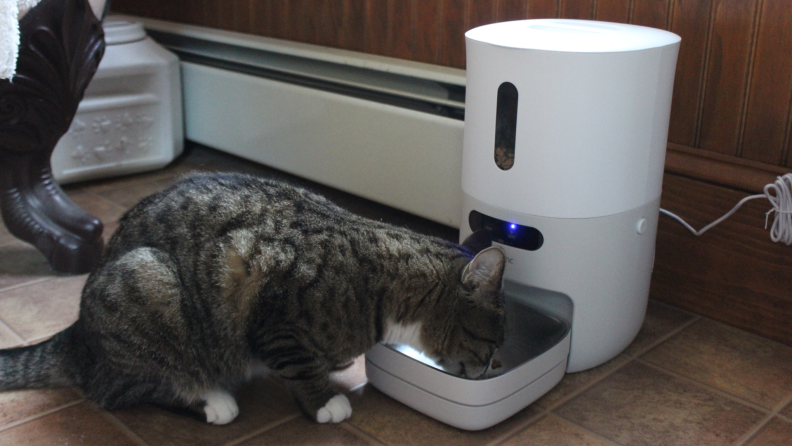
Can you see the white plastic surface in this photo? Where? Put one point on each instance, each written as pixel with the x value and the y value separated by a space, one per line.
pixel 118 31
pixel 470 417
pixel 580 36
pixel 591 131
pixel 603 264
pixel 130 119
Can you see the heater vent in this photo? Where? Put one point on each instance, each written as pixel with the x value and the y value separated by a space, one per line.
pixel 506 125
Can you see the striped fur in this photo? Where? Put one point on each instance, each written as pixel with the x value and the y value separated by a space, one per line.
pixel 221 272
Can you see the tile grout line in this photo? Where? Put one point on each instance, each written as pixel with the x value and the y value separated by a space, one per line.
pixel 761 425
pixel 667 336
pixel 706 386
pixel 372 435
pixel 521 427
pixel 631 357
pixel 579 391
pixel 263 429
pixel 8 327
pixel 783 403
pixel 41 415
pixel 124 428
pixel 32 282
pixel 354 430
pixel 755 429
pixel 589 431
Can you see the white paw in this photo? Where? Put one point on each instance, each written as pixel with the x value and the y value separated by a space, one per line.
pixel 336 410
pixel 220 408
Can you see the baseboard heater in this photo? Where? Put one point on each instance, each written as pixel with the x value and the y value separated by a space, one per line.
pixel 384 129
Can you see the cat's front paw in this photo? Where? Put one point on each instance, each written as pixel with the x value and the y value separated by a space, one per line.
pixel 336 410
pixel 220 408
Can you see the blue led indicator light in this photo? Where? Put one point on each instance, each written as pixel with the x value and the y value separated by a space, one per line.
pixel 513 226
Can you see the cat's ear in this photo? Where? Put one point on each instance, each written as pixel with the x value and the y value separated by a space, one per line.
pixel 478 241
pixel 486 269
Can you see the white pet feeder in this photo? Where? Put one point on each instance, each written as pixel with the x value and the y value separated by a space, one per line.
pixel 566 123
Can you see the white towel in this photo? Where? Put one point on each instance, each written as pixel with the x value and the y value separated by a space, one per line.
pixel 10 13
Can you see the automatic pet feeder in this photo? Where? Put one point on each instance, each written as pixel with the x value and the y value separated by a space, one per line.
pixel 566 124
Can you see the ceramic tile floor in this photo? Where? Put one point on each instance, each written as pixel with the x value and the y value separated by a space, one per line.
pixel 685 380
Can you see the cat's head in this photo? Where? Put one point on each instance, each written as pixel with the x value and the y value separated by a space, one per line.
pixel 477 325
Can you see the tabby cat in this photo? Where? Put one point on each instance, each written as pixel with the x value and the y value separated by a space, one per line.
pixel 222 275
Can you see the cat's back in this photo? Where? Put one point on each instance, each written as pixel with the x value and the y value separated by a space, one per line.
pixel 203 207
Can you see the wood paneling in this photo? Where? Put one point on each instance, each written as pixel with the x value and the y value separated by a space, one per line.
pixel 734 272
pixel 427 31
pixel 691 21
pixel 726 73
pixel 481 12
pixel 542 9
pixel 742 174
pixel 452 52
pixel 400 35
pixel 613 11
pixel 652 13
pixel 512 10
pixel 225 14
pixel 576 9
pixel 377 22
pixel 768 110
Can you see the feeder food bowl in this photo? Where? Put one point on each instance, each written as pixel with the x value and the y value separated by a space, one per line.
pixel 532 360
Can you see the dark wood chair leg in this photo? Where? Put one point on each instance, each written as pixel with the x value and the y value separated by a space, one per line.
pixel 61 45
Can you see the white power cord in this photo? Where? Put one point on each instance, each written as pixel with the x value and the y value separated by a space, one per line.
pixel 781 231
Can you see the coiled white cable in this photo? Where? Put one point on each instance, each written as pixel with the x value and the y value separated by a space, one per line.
pixel 781 199
pixel 782 206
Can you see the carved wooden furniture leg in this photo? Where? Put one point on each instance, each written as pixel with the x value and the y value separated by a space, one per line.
pixel 61 45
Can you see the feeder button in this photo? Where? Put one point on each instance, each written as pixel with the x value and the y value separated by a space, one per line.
pixel 641 226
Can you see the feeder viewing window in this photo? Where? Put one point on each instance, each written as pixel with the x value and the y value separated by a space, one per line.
pixel 505 125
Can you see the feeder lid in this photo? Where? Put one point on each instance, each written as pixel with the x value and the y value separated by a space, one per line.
pixel 118 31
pixel 565 35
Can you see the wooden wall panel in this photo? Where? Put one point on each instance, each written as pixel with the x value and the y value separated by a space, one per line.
pixel 261 13
pixel 512 10
pixel 225 14
pixel 453 35
pixel 481 12
pixel 427 31
pixel 652 13
pixel 770 94
pixel 377 22
pixel 542 9
pixel 242 16
pixel 576 9
pixel 280 18
pixel 613 11
pixel 788 145
pixel 400 34
pixel 726 72
pixel 734 272
pixel 691 21
pixel 353 24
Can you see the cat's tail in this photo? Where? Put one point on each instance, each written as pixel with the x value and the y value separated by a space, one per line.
pixel 48 364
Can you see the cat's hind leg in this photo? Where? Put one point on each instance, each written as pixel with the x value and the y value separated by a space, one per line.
pixel 148 356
